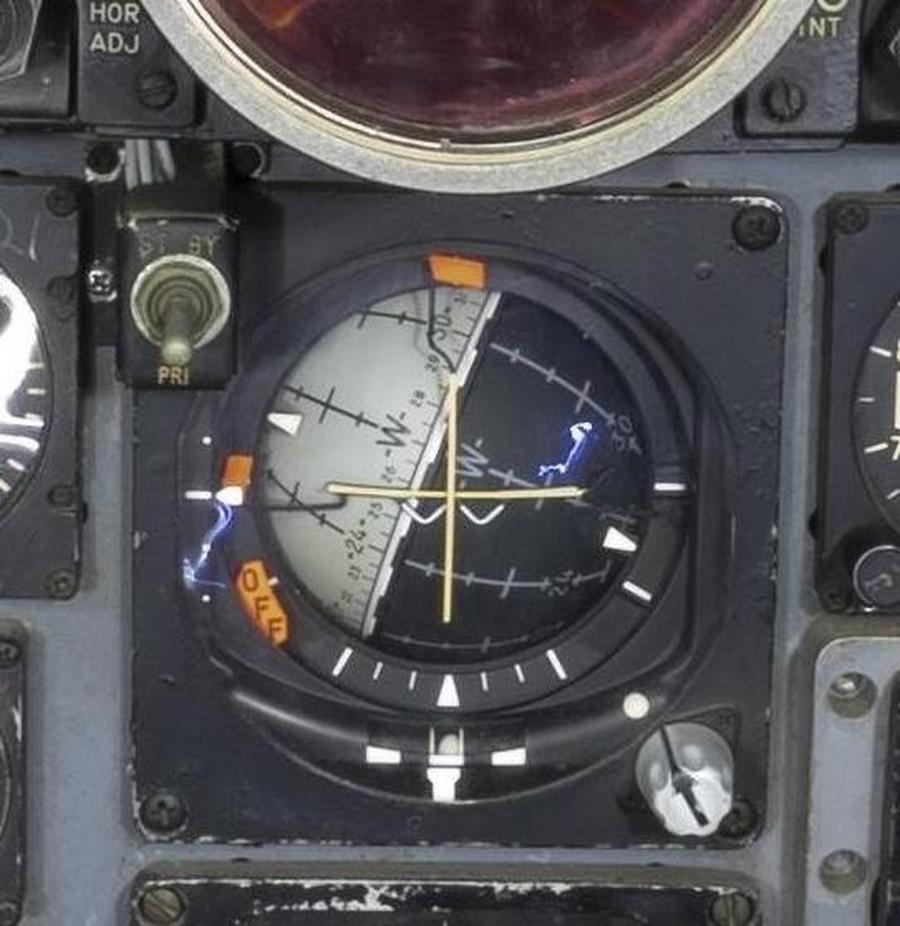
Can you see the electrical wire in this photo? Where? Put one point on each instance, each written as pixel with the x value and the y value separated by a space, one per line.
pixel 148 161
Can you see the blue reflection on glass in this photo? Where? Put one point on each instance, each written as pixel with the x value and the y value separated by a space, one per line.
pixel 191 571
pixel 579 434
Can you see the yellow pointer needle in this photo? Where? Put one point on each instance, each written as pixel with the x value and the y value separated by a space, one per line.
pixel 461 495
pixel 450 497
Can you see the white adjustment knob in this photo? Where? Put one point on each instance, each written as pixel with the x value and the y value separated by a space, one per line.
pixel 686 773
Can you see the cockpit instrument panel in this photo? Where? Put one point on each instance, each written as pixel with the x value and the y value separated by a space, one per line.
pixel 410 479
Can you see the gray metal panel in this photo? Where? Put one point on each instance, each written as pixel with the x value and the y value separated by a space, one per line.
pixel 83 852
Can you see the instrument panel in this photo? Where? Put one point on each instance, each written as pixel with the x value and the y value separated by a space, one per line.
pixel 444 479
pixel 441 534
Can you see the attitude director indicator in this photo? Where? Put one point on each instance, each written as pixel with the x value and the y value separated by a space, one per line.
pixel 447 495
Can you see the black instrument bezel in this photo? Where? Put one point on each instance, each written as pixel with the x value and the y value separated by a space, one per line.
pixel 273 351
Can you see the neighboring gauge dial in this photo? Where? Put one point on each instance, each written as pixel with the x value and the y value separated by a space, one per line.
pixel 24 392
pixel 877 418
pixel 478 95
pixel 494 70
pixel 547 496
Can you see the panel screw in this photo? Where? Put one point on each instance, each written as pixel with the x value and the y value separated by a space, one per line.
pixel 732 910
pixel 852 695
pixel 843 871
pixel 757 228
pixel 835 598
pixel 248 159
pixel 62 201
pixel 61 584
pixel 847 686
pixel 104 158
pixel 9 914
pixel 783 100
pixel 63 496
pixel 740 821
pixel 851 218
pixel 163 813
pixel 162 906
pixel 10 653
pixel 156 89
pixel 63 289
pixel 101 283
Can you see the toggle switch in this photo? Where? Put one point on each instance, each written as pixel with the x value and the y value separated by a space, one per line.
pixel 180 303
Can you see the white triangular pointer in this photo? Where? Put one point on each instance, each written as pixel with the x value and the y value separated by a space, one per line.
pixel 449 696
pixel 616 540
pixel 284 421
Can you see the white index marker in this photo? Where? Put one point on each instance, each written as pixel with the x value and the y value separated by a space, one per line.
pixel 287 422
pixel 449 694
pixel 619 541
pixel 897 401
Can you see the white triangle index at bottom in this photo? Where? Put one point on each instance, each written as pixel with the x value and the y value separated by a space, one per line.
pixel 449 695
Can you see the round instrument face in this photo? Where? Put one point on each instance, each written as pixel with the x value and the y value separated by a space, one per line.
pixel 544 502
pixel 443 483
pixel 488 70
pixel 25 400
pixel 478 96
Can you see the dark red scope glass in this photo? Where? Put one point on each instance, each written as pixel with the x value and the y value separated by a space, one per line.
pixel 478 70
